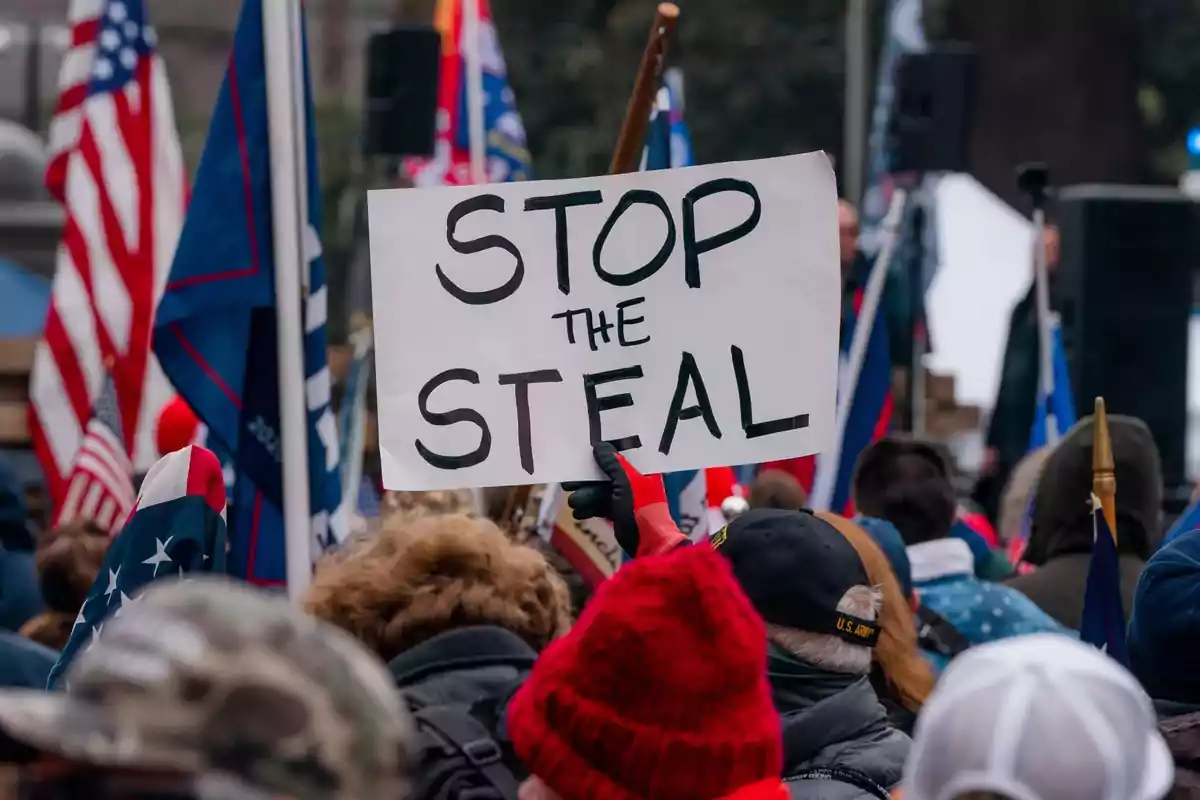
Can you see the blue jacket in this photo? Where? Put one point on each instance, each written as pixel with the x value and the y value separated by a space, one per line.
pixel 24 664
pixel 944 578
pixel 20 594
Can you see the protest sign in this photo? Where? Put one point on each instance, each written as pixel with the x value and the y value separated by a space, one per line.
pixel 689 316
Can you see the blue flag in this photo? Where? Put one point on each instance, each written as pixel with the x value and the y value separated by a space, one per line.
pixel 177 527
pixel 668 141
pixel 1103 621
pixel 215 333
pixel 1057 408
pixel 871 404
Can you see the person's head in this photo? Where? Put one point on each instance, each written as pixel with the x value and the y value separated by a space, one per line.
pixel 847 233
pixel 1051 243
pixel 413 581
pixel 1164 629
pixel 67 560
pixel 177 426
pixel 397 508
pixel 1062 516
pixel 905 669
pixel 774 488
pixel 1018 494
pixel 906 482
pixel 1040 717
pixel 206 683
pixel 808 584
pixel 660 690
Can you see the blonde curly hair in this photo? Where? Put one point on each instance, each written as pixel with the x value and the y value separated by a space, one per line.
pixel 419 577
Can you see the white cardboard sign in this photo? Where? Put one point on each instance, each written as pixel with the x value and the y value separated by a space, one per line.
pixel 689 315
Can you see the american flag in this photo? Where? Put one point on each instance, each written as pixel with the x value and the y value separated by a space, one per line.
pixel 177 528
pixel 100 486
pixel 118 171
pixel 1102 623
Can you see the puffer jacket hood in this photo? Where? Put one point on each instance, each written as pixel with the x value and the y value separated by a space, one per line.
pixel 1062 515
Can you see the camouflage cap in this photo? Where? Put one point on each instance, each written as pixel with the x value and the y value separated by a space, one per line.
pixel 212 677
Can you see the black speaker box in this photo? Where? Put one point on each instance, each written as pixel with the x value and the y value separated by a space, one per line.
pixel 1124 289
pixel 402 92
pixel 931 111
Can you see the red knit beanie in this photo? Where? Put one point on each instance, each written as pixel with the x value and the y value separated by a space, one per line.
pixel 659 691
pixel 176 427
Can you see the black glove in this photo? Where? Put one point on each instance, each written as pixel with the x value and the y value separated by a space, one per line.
pixel 636 504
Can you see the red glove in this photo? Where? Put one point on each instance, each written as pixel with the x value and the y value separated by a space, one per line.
pixel 636 504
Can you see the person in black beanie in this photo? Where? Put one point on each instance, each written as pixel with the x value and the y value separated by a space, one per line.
pixel 1060 538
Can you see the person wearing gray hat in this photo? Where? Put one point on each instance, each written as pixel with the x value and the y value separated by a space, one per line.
pixel 211 690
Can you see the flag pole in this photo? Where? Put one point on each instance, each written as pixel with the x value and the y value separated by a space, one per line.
pixel 628 151
pixel 475 104
pixel 1104 471
pixel 285 103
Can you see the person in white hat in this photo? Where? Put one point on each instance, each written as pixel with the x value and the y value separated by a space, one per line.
pixel 1040 717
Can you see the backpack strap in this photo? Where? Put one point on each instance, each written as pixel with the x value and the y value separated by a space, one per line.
pixel 470 738
pixel 847 775
pixel 937 634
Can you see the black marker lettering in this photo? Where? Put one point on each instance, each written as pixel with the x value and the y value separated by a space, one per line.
pixel 476 456
pixel 622 321
pixel 597 404
pixel 692 249
pixel 602 326
pixel 688 373
pixel 655 264
pixel 569 316
pixel 521 381
pixel 756 429
pixel 560 203
pixel 484 202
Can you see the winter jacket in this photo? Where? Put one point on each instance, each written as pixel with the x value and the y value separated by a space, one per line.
pixel 477 668
pixel 945 582
pixel 1058 585
pixel 24 664
pixel 463 666
pixel 20 594
pixel 1180 726
pixel 849 730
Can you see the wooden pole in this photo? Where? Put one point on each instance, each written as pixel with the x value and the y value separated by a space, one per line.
pixel 628 152
pixel 1104 474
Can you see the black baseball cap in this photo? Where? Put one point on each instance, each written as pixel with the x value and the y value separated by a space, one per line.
pixel 795 568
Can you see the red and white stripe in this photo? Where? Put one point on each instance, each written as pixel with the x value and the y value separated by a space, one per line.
pixel 100 487
pixel 118 169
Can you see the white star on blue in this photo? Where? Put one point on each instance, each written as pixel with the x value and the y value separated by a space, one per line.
pixel 123 40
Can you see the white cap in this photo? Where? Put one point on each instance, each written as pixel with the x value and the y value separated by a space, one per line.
pixel 1041 717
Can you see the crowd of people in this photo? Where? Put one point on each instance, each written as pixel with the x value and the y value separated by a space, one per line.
pixel 799 654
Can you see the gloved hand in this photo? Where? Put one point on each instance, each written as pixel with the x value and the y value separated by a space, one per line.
pixel 636 504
